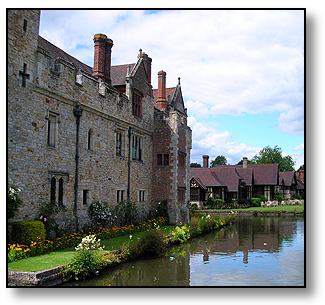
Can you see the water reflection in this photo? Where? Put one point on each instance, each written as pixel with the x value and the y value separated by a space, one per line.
pixel 252 251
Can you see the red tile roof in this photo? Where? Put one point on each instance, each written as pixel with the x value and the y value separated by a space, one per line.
pixel 287 178
pixel 205 176
pixel 265 174
pixel 118 74
pixel 230 175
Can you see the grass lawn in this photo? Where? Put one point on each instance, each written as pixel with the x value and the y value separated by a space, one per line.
pixel 63 257
pixel 284 208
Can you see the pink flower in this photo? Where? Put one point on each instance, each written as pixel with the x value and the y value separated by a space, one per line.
pixel 44 219
pixel 41 217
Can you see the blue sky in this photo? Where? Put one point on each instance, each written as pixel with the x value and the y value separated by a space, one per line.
pixel 242 71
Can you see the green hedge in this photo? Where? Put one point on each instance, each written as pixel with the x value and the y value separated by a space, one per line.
pixel 25 232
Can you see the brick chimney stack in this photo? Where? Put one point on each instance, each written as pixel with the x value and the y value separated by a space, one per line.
pixel 205 161
pixel 161 102
pixel 102 58
pixel 245 162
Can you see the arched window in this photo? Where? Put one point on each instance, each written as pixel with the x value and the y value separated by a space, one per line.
pixel 60 191
pixel 53 190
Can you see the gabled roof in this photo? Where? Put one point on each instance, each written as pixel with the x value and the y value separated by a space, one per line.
pixel 198 181
pixel 287 178
pixel 205 177
pixel 217 176
pixel 177 100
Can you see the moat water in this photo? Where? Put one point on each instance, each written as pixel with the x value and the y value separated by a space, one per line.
pixel 253 251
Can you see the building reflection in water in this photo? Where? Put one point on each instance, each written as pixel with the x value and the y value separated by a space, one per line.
pixel 247 236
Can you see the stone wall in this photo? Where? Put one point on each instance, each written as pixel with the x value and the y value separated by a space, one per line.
pixel 55 88
pixel 43 93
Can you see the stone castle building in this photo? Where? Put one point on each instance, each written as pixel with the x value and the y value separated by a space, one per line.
pixel 78 134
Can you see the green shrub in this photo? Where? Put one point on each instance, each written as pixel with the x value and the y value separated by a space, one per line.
pixel 87 260
pixel 99 213
pixel 25 232
pixel 84 264
pixel 278 197
pixel 215 203
pixel 162 209
pixel 152 242
pixel 256 202
pixel 262 198
pixel 125 213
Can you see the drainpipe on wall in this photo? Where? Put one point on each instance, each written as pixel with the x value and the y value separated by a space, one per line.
pixel 129 165
pixel 78 113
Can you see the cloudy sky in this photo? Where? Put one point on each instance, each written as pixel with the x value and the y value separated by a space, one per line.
pixel 242 71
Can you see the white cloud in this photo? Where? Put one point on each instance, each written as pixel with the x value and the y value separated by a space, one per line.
pixel 208 140
pixel 292 122
pixel 301 146
pixel 230 62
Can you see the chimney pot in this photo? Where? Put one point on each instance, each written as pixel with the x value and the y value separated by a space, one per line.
pixel 205 161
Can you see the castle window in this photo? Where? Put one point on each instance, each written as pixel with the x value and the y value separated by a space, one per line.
pixel 52 126
pixel 136 104
pixel 166 159
pixel 159 159
pixel 53 190
pixel 90 139
pixel 60 199
pixel 162 159
pixel 118 143
pixel 142 196
pixel 120 196
pixel 85 195
pixel 136 148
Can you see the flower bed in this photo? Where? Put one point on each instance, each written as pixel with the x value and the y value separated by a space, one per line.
pixel 16 251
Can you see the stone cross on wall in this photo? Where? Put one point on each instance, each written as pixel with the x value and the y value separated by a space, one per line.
pixel 24 75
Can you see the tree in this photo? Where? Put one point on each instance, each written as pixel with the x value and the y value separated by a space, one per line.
pixel 220 160
pixel 269 155
pixel 195 165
